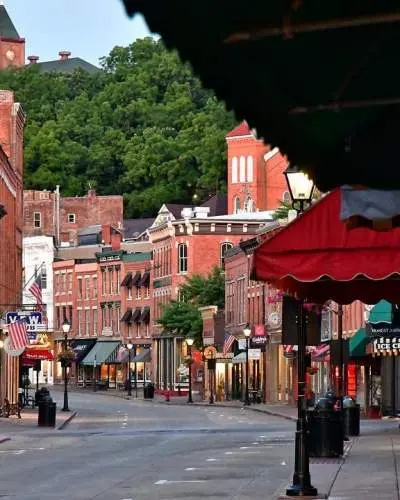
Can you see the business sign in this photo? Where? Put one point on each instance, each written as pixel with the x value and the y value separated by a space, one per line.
pixel 389 345
pixel 254 354
pixel 382 329
pixel 259 337
pixel 33 319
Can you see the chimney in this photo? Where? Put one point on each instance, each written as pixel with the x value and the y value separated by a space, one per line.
pixel 106 234
pixel 33 59
pixel 64 55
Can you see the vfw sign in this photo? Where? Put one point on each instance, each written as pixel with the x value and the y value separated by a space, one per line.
pixel 34 320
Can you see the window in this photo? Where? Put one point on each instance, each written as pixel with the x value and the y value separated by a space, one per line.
pixel 242 169
pixel 182 258
pixel 286 197
pixel 118 314
pixel 138 330
pixel 94 322
pixel 87 288
pixel 70 315
pixel 43 278
pixel 104 280
pixel 118 282
pixel 37 219
pixel 147 330
pixel 249 169
pixel 234 170
pixel 80 322
pixel 95 287
pixel 87 321
pixel 224 248
pixel 110 278
pixel 64 282
pixel 249 205
pixel 71 218
pixel 138 293
pixel 236 205
pixel 147 292
pixel 70 282
pixel 129 293
pixel 58 283
pixel 80 288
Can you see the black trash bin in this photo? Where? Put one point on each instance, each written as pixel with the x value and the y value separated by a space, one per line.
pixel 150 391
pixel 145 392
pixel 325 430
pixel 351 417
pixel 40 394
pixel 47 413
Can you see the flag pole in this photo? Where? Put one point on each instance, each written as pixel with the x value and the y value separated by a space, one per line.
pixel 34 276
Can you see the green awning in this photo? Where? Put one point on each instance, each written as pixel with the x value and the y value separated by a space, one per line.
pixel 102 352
pixel 381 312
pixel 358 343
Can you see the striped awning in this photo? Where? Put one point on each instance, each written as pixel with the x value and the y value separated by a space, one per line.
pixel 105 351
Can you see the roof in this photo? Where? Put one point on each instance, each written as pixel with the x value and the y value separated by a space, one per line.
pixel 218 205
pixel 240 130
pixel 320 80
pixel 176 209
pixel 133 228
pixel 247 216
pixel 7 28
pixel 78 253
pixel 333 262
pixel 94 229
pixel 67 66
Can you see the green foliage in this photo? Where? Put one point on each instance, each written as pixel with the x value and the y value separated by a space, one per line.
pixel 184 318
pixel 282 211
pixel 144 128
pixel 205 290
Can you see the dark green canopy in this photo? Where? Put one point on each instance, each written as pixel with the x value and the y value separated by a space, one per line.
pixel 319 79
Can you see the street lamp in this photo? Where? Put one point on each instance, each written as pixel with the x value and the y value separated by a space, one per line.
pixel 66 327
pixel 129 346
pixel 247 333
pixel 189 342
pixel 301 189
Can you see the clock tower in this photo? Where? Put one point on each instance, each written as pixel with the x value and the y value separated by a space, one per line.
pixel 12 46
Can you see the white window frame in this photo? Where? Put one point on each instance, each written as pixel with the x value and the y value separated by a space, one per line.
pixel 234 170
pixel 37 218
pixel 227 245
pixel 43 277
pixel 182 258
pixel 250 168
pixel 236 205
pixel 242 169
pixel 71 218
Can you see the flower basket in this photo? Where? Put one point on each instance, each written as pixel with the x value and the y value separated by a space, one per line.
pixel 312 370
pixel 66 357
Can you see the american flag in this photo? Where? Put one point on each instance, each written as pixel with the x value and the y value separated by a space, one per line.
pixel 18 335
pixel 228 341
pixel 36 291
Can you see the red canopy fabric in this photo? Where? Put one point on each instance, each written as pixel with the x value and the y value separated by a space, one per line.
pixel 32 354
pixel 318 258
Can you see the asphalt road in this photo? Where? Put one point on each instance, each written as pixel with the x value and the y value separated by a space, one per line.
pixel 116 449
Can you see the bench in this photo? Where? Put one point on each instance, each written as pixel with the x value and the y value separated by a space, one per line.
pixel 8 409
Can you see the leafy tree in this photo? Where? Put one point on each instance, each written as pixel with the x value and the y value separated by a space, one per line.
pixel 143 127
pixel 183 319
pixel 282 211
pixel 205 290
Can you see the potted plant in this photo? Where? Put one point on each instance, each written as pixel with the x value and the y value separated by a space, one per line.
pixel 66 357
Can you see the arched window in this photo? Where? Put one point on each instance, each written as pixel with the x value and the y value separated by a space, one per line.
pixel 224 248
pixel 249 169
pixel 249 207
pixel 242 169
pixel 236 204
pixel 286 197
pixel 182 258
pixel 234 170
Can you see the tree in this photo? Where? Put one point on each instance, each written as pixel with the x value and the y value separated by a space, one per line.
pixel 184 318
pixel 144 127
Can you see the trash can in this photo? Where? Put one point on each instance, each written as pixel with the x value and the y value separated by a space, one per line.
pixel 41 394
pixel 47 413
pixel 145 392
pixel 351 417
pixel 325 430
pixel 150 391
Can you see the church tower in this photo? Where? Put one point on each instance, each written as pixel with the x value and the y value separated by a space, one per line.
pixel 12 46
pixel 255 173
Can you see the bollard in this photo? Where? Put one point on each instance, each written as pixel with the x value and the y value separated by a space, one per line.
pixel 166 394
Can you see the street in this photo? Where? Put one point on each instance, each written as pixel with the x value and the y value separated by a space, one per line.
pixel 119 449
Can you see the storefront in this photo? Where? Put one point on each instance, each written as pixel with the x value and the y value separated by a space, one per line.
pixel 99 363
pixel 79 373
pixel 169 367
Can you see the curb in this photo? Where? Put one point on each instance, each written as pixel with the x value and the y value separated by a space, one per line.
pixel 61 426
pixel 272 413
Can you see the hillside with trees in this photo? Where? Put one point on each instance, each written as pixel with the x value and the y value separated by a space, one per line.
pixel 143 127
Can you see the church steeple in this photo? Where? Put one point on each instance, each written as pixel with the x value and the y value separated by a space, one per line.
pixel 12 46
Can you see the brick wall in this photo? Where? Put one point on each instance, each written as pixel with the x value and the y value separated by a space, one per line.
pixel 15 49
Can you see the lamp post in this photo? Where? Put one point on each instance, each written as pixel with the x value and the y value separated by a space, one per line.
pixel 189 342
pixel 301 190
pixel 65 328
pixel 129 346
pixel 247 333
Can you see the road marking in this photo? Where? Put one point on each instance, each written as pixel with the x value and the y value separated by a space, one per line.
pixel 255 442
pixel 244 447
pixel 262 436
pixel 240 453
pixel 212 460
pixel 283 463
pixel 165 481
pixel 190 468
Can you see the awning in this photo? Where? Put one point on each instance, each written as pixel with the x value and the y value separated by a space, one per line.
pixel 239 358
pixel 102 352
pixel 136 279
pixel 381 312
pixel 145 317
pixel 127 281
pixel 127 315
pixel 333 261
pixel 81 348
pixel 34 354
pixel 143 357
pixel 358 343
pixel 136 315
pixel 145 279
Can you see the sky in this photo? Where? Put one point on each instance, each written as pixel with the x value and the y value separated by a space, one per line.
pixel 87 28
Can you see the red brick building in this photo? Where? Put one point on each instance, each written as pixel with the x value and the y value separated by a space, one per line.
pixel 12 46
pixel 48 213
pixel 255 180
pixel 12 121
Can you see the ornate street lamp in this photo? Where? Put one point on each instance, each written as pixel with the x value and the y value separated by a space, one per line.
pixel 247 333
pixel 189 342
pixel 66 327
pixel 301 189
pixel 129 346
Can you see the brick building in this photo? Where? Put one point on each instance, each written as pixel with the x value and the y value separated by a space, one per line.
pixel 255 172
pixel 48 213
pixel 12 121
pixel 12 46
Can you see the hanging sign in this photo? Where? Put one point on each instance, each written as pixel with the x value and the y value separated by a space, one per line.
pixel 259 337
pixel 254 354
pixel 386 345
